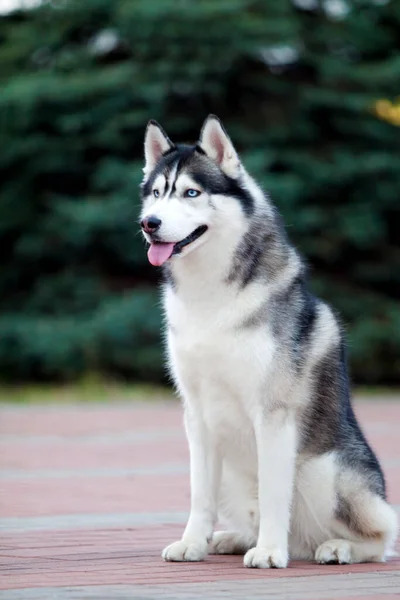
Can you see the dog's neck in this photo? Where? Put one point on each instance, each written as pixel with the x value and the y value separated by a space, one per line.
pixel 217 265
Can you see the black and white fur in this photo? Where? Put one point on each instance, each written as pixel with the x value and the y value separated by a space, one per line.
pixel 276 452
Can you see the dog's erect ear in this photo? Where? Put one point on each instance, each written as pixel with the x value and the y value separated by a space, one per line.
pixel 156 143
pixel 217 145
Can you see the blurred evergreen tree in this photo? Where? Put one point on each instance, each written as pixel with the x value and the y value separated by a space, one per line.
pixel 295 83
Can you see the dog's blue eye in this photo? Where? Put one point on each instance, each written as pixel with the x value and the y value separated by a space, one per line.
pixel 192 193
pixel 156 193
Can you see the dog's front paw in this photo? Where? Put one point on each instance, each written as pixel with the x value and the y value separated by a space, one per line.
pixel 192 551
pixel 266 558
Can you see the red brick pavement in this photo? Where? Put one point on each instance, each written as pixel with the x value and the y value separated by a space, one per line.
pixel 61 461
pixel 67 453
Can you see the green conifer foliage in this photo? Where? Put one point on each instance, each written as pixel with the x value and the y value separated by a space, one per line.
pixel 297 85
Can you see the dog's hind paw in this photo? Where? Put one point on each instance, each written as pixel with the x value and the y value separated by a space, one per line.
pixel 227 542
pixel 266 558
pixel 334 552
pixel 182 551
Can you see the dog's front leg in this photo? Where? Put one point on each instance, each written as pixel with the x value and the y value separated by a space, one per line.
pixel 276 449
pixel 205 474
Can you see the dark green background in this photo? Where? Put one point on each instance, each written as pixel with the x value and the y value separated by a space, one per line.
pixel 295 89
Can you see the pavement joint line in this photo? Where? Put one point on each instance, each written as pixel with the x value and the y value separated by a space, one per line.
pixel 163 469
pixel 167 469
pixel 164 401
pixel 92 521
pixel 97 521
pixel 310 587
pixel 142 436
pixel 149 436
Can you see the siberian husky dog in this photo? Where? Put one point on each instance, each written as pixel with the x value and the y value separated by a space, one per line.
pixel 276 453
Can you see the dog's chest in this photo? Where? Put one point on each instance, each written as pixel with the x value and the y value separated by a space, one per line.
pixel 218 365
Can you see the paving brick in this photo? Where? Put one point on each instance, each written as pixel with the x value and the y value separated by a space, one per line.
pixel 68 453
pixel 374 586
pixel 80 419
pixel 37 497
pixel 392 475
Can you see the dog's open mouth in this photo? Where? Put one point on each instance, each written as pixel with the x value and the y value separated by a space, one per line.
pixel 160 252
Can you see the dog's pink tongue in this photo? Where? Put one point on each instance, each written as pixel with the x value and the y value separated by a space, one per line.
pixel 159 253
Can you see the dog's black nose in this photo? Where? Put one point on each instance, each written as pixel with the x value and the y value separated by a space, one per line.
pixel 150 224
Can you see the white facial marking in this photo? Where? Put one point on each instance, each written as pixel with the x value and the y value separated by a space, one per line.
pixel 159 184
pixel 184 183
pixel 171 180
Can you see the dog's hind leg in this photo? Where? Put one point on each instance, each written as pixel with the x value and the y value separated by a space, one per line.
pixel 367 528
pixel 231 542
pixel 238 511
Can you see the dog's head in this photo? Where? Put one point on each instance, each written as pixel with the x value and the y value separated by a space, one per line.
pixel 188 191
